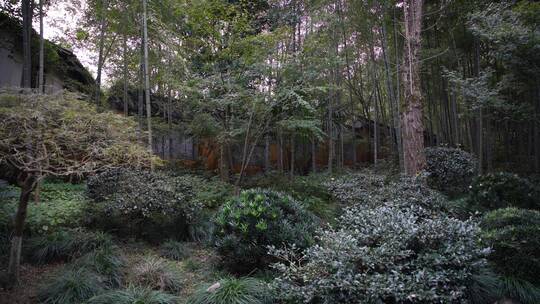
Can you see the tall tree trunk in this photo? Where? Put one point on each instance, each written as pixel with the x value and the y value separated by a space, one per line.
pixel 124 51
pixel 395 118
pixel 413 128
pixel 102 29
pixel 313 155
pixel 16 241
pixel 26 7
pixel 41 78
pixel 537 129
pixel 291 173
pixel 330 136
pixel 397 123
pixel 281 165
pixel 267 153
pixel 147 81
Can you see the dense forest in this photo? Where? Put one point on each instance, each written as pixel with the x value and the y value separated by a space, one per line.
pixel 270 151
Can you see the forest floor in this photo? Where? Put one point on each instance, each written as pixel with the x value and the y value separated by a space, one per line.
pixel 197 268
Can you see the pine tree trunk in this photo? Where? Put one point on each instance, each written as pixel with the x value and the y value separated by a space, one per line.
pixel 413 128
pixel 16 241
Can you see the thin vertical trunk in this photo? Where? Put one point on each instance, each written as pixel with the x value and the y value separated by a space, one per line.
pixel 27 42
pixel 124 51
pixel 267 153
pixel 397 123
pixel 313 155
pixel 41 78
pixel 537 129
pixel 18 228
pixel 393 104
pixel 330 136
pixel 102 29
pixel 291 173
pixel 480 114
pixel 413 128
pixel 281 165
pixel 147 80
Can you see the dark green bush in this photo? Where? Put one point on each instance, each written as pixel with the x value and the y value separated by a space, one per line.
pixel 134 295
pixel 246 225
pixel 149 205
pixel 450 170
pixel 309 190
pixel 64 245
pixel 71 287
pixel 514 235
pixel 174 250
pixel 233 291
pixel 501 190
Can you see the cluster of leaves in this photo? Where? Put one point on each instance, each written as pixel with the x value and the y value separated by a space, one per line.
pixel 501 190
pixel 256 219
pixel 233 291
pixel 450 170
pixel 64 245
pixel 61 206
pixel 372 190
pixel 385 254
pixel 309 190
pixel 514 235
pixel 64 136
pixel 153 201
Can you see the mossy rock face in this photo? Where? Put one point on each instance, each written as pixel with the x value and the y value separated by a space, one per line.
pixel 514 235
pixel 59 61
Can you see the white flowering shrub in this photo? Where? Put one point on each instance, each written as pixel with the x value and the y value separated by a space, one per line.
pixel 373 190
pixel 449 170
pixel 386 254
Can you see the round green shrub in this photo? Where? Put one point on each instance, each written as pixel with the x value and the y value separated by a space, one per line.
pixel 501 190
pixel 149 205
pixel 386 254
pixel 233 291
pixel 514 235
pixel 450 170
pixel 257 218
